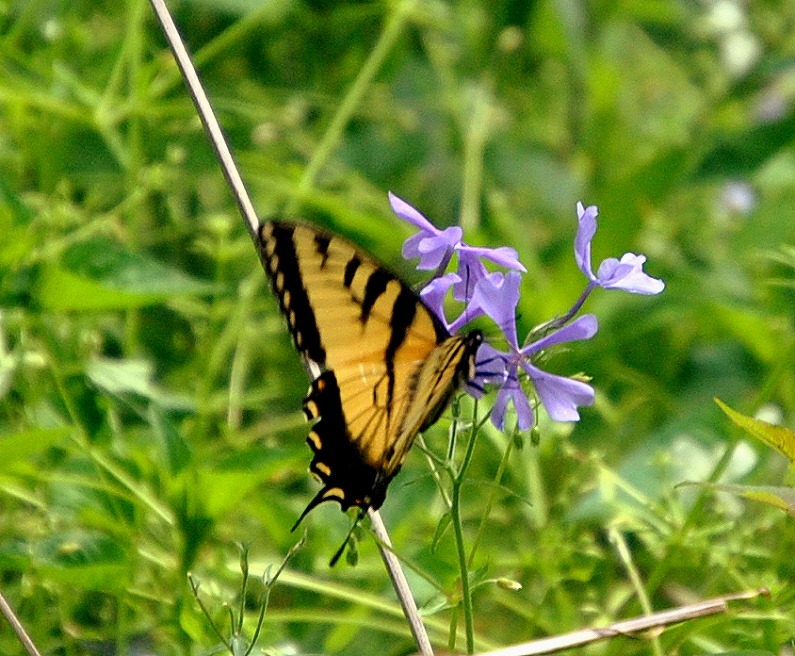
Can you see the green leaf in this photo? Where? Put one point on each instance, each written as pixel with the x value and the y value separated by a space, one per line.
pixel 778 437
pixel 12 206
pixel 85 558
pixel 119 377
pixel 344 633
pixel 744 652
pixel 176 449
pixel 115 266
pixel 441 529
pixel 61 290
pixel 223 491
pixel 29 443
pixel 194 623
pixel 15 554
pixel 778 496
pixel 15 216
pixel 100 274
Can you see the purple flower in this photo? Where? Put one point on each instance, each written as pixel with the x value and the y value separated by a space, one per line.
pixel 497 296
pixel 626 273
pixel 434 293
pixel 435 248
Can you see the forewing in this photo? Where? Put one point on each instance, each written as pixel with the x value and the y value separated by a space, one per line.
pixel 352 317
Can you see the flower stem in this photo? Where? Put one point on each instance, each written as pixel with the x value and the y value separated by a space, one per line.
pixel 491 501
pixel 455 514
pixel 557 322
pixel 475 138
pixel 624 554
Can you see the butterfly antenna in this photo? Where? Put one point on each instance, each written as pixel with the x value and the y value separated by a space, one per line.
pixel 347 539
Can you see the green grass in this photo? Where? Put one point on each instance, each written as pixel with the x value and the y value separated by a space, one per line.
pixel 150 400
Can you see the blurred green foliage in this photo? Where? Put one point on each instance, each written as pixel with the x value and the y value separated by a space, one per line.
pixel 149 396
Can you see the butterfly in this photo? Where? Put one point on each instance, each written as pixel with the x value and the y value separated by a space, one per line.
pixel 384 366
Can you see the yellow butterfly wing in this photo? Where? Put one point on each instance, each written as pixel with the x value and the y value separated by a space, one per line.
pixel 385 366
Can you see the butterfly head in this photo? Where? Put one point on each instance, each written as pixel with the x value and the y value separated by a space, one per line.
pixel 472 343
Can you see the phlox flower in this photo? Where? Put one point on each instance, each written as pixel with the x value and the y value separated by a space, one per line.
pixel 497 296
pixel 626 273
pixel 435 249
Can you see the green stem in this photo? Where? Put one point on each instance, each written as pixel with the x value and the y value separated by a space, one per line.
pixel 539 504
pixel 625 556
pixel 353 97
pixel 455 513
pixel 129 143
pixel 435 471
pixel 679 539
pixel 105 464
pixel 491 501
pixel 474 145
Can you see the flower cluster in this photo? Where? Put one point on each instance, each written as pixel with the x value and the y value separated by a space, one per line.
pixel 496 295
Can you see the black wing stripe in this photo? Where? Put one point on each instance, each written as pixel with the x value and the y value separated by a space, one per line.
pixel 403 312
pixel 337 460
pixel 278 253
pixel 321 244
pixel 375 286
pixel 350 270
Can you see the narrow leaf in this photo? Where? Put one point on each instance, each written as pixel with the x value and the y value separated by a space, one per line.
pixel 103 275
pixel 778 496
pixel 62 290
pixel 28 443
pixel 119 377
pixel 778 437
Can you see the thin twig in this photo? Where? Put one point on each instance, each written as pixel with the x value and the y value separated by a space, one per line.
pixel 232 175
pixel 23 636
pixel 625 627
pixel 400 584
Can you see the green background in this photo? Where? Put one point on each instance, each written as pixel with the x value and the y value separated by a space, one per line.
pixel 150 400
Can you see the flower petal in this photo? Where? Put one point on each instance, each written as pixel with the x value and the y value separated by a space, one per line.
pixel 499 408
pixel 490 365
pixel 586 229
pixel 433 250
pixel 470 269
pixel 434 293
pixel 408 213
pixel 581 328
pixel 411 247
pixel 627 274
pixel 504 256
pixel 490 369
pixel 497 296
pixel 512 392
pixel 560 396
pixel 524 411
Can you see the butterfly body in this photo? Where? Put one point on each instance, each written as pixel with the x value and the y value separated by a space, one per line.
pixel 384 366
